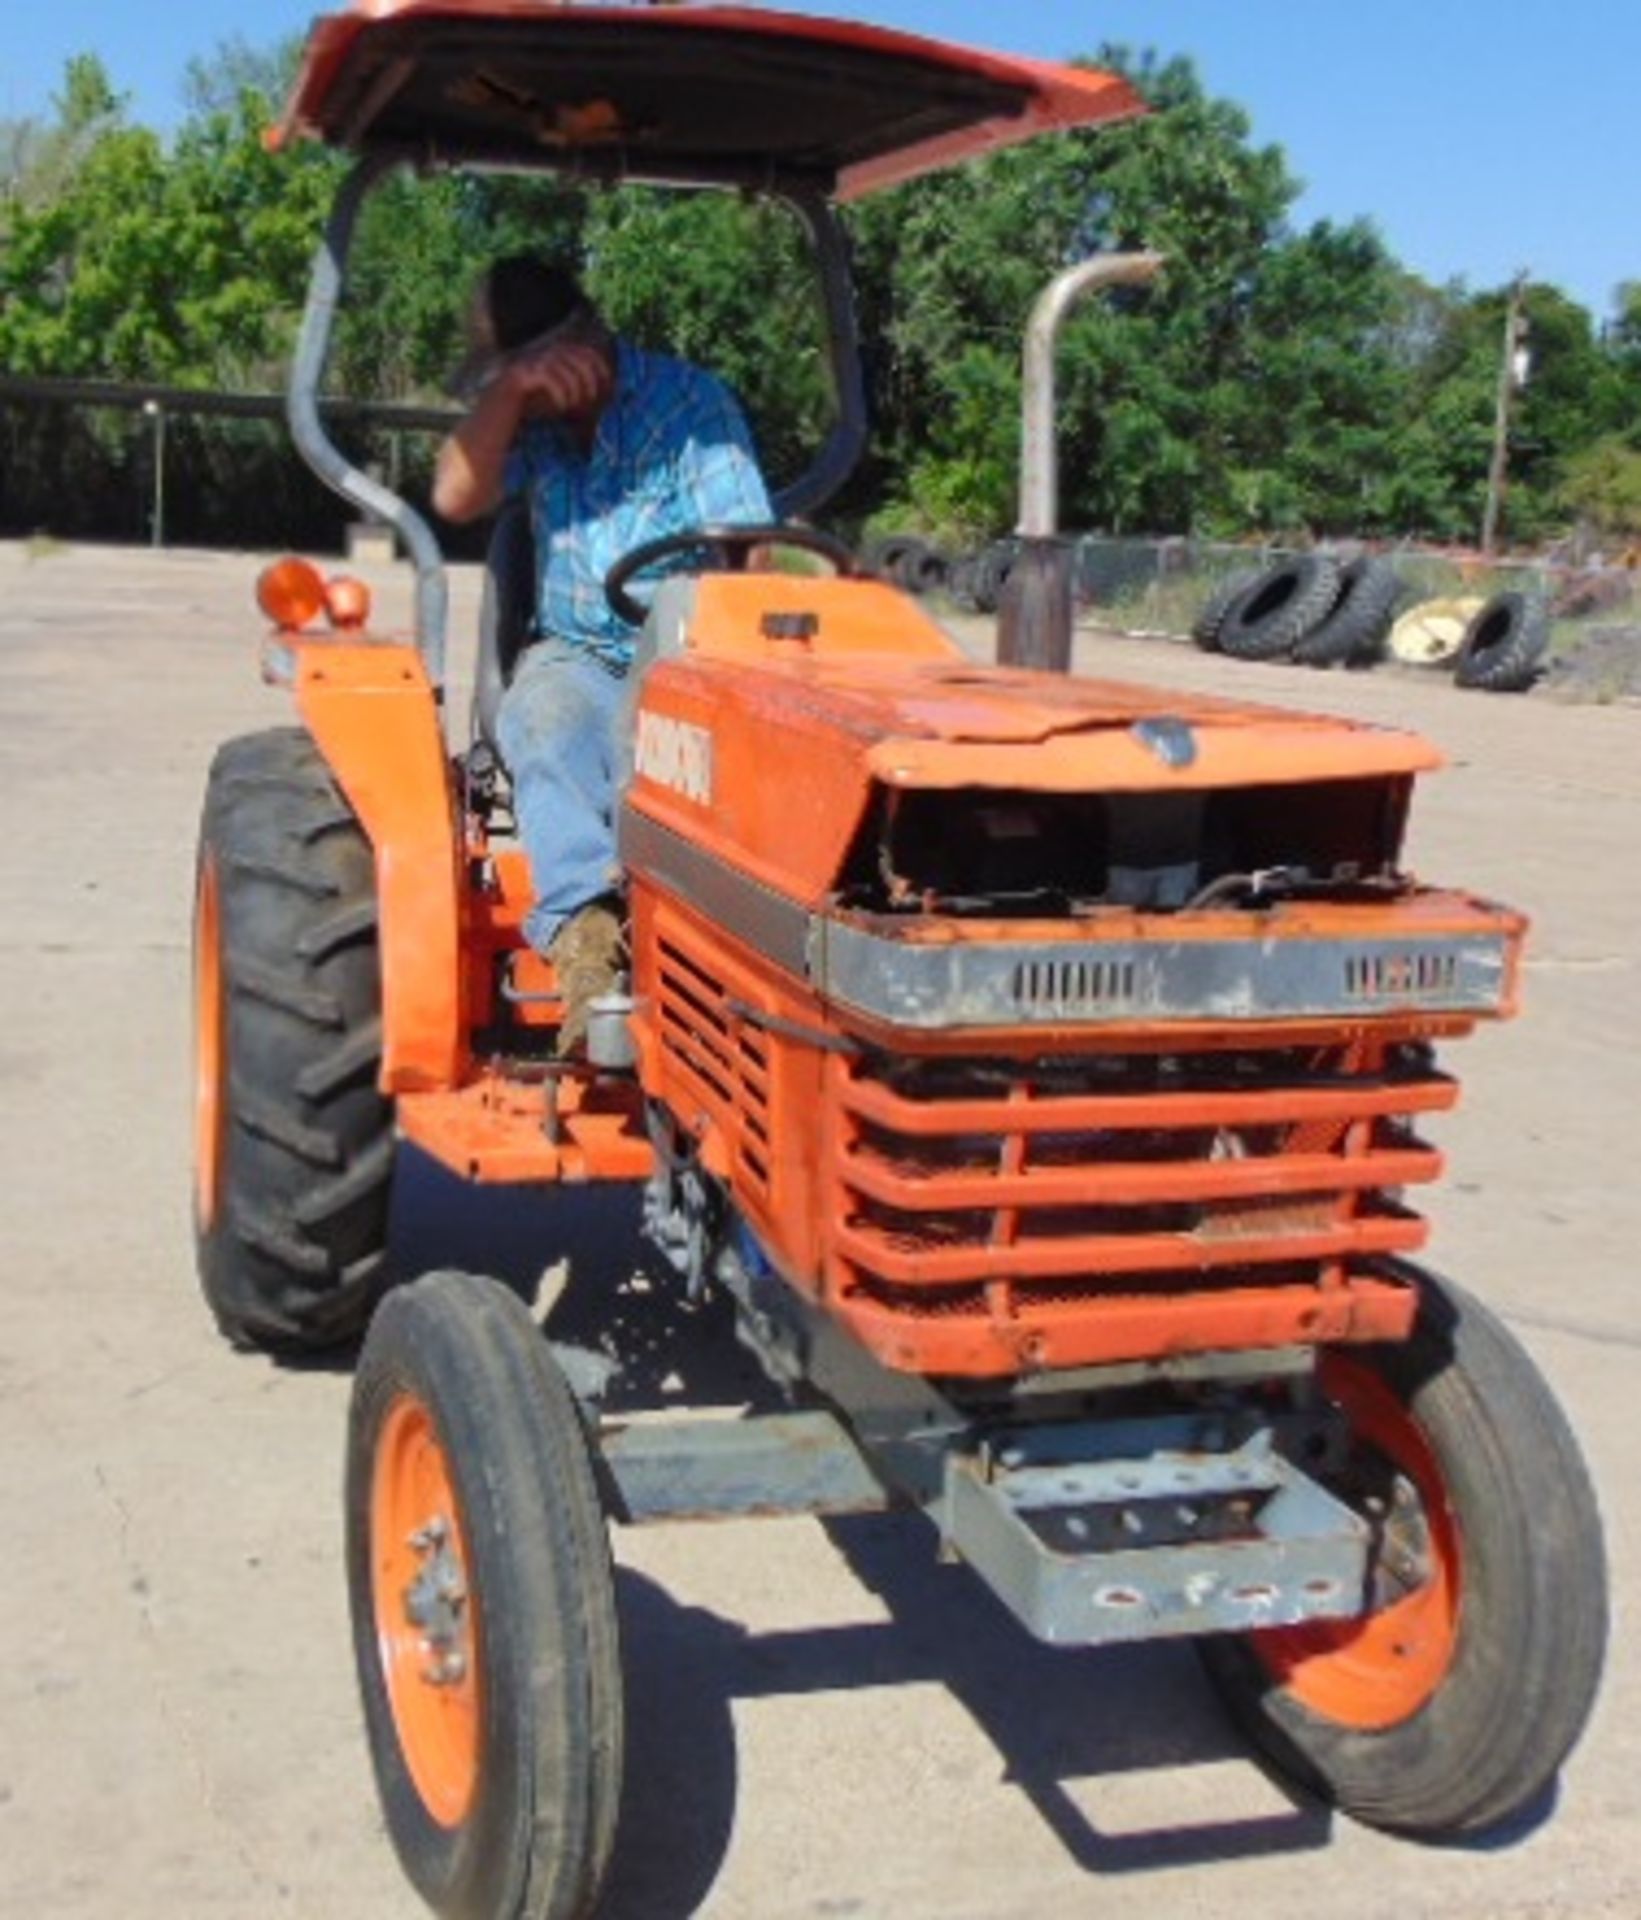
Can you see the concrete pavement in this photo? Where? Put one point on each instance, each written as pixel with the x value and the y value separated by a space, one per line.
pixel 823 1722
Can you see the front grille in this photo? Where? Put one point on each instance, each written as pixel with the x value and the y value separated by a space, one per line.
pixel 1009 1184
pixel 725 1059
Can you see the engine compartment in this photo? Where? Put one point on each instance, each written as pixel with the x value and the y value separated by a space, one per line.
pixel 1003 854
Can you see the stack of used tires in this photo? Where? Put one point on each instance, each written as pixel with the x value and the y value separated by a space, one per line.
pixel 1312 609
pixel 1307 608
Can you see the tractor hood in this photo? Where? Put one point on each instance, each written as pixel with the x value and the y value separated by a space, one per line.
pixel 782 709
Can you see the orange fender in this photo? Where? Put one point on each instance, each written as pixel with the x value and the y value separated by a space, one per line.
pixel 372 713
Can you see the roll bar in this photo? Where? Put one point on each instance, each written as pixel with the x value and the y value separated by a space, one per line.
pixel 834 463
pixel 316 446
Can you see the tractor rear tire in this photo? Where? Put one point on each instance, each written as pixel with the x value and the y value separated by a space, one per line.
pixel 1450 1709
pixel 483 1605
pixel 293 1143
pixel 1285 603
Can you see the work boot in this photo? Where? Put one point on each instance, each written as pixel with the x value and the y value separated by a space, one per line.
pixel 587 953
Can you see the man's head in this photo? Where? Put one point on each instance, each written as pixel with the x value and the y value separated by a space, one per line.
pixel 522 309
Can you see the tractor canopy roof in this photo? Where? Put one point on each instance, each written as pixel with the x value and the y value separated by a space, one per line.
pixel 694 94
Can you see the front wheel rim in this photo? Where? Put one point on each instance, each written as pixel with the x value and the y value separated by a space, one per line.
pixel 1381 1668
pixel 425 1612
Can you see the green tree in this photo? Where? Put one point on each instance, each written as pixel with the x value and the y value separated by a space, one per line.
pixel 1156 412
pixel 1603 487
pixel 184 264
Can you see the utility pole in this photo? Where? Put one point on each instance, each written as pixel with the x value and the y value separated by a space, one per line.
pixel 1512 372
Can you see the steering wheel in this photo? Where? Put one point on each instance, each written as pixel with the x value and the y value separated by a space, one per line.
pixel 727 550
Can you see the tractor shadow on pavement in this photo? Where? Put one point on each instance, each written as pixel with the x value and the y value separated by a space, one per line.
pixel 1055 1717
pixel 576 1257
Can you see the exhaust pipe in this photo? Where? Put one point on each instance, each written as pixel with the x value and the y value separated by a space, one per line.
pixel 1034 623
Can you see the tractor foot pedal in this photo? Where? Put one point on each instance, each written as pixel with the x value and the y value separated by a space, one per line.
pixel 1160 1540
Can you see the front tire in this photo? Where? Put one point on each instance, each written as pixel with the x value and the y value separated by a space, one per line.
pixel 1452 1705
pixel 484 1624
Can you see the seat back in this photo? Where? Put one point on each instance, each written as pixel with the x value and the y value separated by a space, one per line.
pixel 507 614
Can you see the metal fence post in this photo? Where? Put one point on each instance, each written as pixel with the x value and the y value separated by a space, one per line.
pixel 156 413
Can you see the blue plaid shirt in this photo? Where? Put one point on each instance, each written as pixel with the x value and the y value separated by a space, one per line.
pixel 671 452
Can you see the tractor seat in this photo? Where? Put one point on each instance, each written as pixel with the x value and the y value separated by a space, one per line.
pixel 507 615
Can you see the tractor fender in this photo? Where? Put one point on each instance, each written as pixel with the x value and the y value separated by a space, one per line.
pixel 373 715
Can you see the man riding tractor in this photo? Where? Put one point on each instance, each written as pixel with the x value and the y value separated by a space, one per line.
pixel 610 448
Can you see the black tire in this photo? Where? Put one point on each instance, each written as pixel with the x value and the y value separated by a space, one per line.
pixel 912 564
pixel 884 557
pixel 1531 1631
pixel 961 580
pixel 1354 633
pixel 991 575
pixel 1272 615
pixel 1504 646
pixel 1211 616
pixel 537 1618
pixel 924 571
pixel 290 1233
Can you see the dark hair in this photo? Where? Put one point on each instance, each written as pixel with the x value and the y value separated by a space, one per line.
pixel 526 297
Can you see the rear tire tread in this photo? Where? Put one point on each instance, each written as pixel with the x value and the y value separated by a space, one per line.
pixel 283 873
pixel 261 1117
pixel 357 921
pixel 254 980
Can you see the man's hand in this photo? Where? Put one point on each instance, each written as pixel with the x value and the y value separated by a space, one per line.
pixel 565 382
pixel 569 382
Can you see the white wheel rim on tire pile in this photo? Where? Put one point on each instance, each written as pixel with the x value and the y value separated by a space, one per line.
pixel 1430 634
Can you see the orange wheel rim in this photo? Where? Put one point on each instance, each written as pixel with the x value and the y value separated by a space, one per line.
pixel 210 1104
pixel 426 1630
pixel 1380 1669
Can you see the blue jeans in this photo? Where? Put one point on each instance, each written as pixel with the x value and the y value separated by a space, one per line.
pixel 557 730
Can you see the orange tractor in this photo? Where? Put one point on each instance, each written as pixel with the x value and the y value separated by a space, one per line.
pixel 1029 1065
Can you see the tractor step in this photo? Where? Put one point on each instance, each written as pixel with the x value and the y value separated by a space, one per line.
pixel 1094 1533
pixel 771 1463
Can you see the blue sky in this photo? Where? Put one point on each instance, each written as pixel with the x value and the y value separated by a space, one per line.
pixel 1480 138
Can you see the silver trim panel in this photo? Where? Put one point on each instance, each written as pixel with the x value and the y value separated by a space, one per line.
pixel 1063 982
pixel 1012 983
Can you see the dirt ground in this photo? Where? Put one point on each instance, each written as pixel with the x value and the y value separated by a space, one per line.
pixel 823 1723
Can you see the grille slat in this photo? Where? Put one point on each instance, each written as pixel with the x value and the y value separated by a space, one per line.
pixel 1081 1173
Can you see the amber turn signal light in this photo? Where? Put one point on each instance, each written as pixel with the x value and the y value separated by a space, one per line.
pixel 291 593
pixel 347 601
